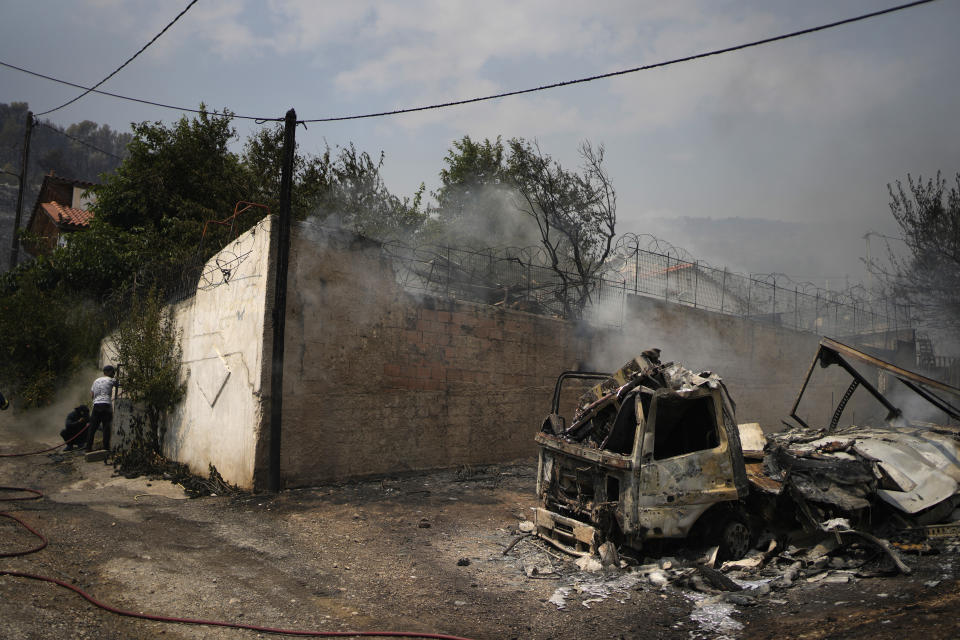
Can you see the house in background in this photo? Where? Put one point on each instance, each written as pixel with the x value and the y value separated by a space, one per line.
pixel 62 207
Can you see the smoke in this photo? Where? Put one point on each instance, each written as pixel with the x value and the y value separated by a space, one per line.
pixel 914 408
pixel 488 218
pixel 47 422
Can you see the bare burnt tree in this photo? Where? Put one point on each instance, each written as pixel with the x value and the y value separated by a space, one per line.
pixel 576 214
pixel 928 277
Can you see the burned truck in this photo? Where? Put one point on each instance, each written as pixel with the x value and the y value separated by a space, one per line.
pixel 652 453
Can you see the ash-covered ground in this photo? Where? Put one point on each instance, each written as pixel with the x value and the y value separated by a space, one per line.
pixel 419 553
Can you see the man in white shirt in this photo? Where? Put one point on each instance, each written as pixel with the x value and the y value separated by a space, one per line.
pixel 102 414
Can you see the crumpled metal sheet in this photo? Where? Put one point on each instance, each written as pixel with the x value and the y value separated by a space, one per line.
pixel 913 469
pixel 918 484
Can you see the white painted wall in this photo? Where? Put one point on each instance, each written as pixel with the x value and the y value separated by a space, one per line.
pixel 219 419
pixel 82 199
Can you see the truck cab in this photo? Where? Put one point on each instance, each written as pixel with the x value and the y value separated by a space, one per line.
pixel 652 452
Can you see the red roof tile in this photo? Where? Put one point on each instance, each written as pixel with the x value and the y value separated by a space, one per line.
pixel 67 215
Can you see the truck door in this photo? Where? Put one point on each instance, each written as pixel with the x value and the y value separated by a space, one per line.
pixel 686 463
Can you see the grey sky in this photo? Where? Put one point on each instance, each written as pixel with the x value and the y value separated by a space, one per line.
pixel 794 141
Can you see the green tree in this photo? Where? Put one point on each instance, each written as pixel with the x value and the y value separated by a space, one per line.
pixel 928 277
pixel 344 187
pixel 49 332
pixel 474 202
pixel 470 167
pixel 149 220
pixel 357 197
pixel 149 354
pixel 182 172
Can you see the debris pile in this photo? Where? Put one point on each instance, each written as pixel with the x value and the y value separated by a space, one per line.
pixel 886 478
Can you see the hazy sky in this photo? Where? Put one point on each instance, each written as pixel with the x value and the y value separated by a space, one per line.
pixel 774 159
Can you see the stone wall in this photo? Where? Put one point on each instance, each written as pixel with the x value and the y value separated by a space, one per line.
pixel 377 380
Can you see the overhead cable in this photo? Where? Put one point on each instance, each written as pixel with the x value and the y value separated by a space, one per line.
pixel 622 72
pixel 128 61
pixel 139 100
pixel 555 85
pixel 76 139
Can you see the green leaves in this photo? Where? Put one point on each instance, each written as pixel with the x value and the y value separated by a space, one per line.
pixel 48 332
pixel 149 356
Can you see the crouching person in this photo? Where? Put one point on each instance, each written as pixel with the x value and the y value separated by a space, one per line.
pixel 102 414
pixel 76 422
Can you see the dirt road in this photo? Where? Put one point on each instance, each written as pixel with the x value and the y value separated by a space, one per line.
pixel 420 553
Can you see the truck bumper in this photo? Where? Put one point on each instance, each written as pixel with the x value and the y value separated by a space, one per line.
pixel 565 533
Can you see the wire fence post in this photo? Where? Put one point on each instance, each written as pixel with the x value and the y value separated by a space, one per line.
pixel 723 289
pixel 773 313
pixel 449 265
pixel 666 280
pixel 796 308
pixel 696 281
pixel 816 313
pixel 636 269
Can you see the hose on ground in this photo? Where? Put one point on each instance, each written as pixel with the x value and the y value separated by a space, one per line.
pixel 35 453
pixel 231 625
pixel 36 495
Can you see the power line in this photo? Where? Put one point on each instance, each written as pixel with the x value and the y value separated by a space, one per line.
pixel 622 72
pixel 138 100
pixel 76 139
pixel 128 61
pixel 555 85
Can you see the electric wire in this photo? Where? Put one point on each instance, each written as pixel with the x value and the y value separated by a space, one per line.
pixel 656 65
pixel 76 139
pixel 545 87
pixel 138 100
pixel 128 61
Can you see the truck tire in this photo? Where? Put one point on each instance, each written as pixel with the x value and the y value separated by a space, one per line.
pixel 734 538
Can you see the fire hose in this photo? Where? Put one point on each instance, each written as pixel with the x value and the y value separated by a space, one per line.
pixel 36 453
pixel 36 495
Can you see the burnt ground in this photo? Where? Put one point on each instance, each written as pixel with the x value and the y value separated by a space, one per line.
pixel 420 553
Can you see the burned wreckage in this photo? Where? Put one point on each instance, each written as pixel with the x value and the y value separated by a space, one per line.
pixel 654 452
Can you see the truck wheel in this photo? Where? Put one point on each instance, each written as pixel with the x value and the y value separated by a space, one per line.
pixel 735 538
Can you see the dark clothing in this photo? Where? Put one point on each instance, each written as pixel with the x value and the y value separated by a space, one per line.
pixel 101 416
pixel 75 423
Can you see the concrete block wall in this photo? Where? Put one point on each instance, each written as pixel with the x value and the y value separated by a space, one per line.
pixel 377 380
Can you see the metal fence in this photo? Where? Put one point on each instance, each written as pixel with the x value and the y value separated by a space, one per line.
pixel 519 278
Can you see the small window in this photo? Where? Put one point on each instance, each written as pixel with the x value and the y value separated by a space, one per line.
pixel 613 489
pixel 684 425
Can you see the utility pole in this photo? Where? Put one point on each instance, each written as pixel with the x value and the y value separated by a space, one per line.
pixel 280 298
pixel 15 241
